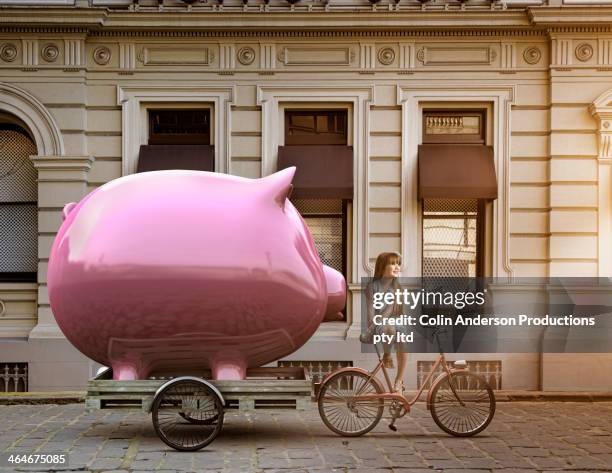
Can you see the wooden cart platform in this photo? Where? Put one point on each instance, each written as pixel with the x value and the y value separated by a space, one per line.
pixel 263 388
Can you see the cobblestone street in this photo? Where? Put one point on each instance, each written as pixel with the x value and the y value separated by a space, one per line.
pixel 523 437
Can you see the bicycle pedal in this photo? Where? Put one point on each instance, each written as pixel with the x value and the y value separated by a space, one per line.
pixel 393 428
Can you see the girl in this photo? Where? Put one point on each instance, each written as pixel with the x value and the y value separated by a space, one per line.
pixel 386 273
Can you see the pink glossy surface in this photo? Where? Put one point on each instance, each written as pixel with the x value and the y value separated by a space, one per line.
pixel 177 271
pixel 336 293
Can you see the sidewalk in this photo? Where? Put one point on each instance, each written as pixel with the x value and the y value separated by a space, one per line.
pixel 524 437
pixel 71 397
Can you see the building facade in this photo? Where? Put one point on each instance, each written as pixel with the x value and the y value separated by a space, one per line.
pixel 91 90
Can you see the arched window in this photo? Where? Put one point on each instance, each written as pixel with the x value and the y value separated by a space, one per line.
pixel 18 206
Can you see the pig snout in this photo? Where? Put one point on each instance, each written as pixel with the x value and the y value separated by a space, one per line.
pixel 336 293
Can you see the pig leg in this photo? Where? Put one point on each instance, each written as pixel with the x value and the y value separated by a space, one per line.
pixel 228 366
pixel 124 370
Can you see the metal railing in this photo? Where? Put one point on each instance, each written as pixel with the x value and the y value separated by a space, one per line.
pixel 491 370
pixel 14 377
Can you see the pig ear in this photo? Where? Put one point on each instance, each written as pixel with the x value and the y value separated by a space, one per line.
pixel 278 185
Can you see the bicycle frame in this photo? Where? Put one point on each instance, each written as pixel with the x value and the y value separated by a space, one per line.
pixel 395 396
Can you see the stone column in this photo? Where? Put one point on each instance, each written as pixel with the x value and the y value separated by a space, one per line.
pixel 61 179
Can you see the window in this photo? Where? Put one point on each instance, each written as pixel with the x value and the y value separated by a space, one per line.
pixel 326 220
pixel 18 206
pixel 183 126
pixel 452 237
pixel 316 127
pixel 454 127
pixel 322 201
pixel 453 229
pixel 178 139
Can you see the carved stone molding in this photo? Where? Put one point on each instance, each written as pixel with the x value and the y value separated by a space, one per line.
pixel 386 56
pixel 456 56
pixel 176 56
pixel 421 55
pixel 532 55
pixel 584 52
pixel 267 58
pixel 101 55
pixel 604 46
pixel 29 48
pixel 227 57
pixel 562 52
pixel 508 57
pixel 50 52
pixel 127 58
pixel 42 125
pixel 8 52
pixel 406 57
pixel 74 53
pixel 601 109
pixel 246 55
pixel 315 56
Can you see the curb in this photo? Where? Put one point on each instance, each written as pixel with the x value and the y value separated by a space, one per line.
pixel 78 397
pixel 59 397
pixel 553 396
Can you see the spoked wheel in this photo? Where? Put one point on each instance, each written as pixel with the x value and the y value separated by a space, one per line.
pixel 187 414
pixel 462 404
pixel 344 406
pixel 199 421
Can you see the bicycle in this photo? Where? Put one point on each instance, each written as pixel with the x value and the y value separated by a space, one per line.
pixel 352 400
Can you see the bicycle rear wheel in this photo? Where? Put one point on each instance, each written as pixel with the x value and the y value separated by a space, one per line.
pixel 462 404
pixel 343 406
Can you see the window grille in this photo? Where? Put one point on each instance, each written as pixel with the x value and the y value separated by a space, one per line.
pixel 18 207
pixel 450 231
pixel 325 220
pixel 13 377
pixel 491 370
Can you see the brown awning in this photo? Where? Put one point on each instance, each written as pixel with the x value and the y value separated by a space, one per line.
pixel 457 171
pixel 158 157
pixel 323 171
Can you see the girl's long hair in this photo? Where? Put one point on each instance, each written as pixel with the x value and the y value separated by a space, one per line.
pixel 383 260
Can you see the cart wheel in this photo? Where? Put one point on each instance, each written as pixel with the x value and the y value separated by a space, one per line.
pixel 187 414
pixel 210 421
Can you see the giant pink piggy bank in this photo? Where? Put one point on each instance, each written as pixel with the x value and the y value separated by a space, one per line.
pixel 171 272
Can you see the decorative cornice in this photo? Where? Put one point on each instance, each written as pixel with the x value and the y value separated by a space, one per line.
pixel 48 17
pixel 207 18
pixel 315 21
pixel 43 29
pixel 63 163
pixel 573 16
pixel 393 33
pixel 404 34
pixel 579 29
pixel 601 109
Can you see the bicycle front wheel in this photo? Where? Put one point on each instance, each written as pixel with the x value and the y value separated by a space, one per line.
pixel 344 405
pixel 462 404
